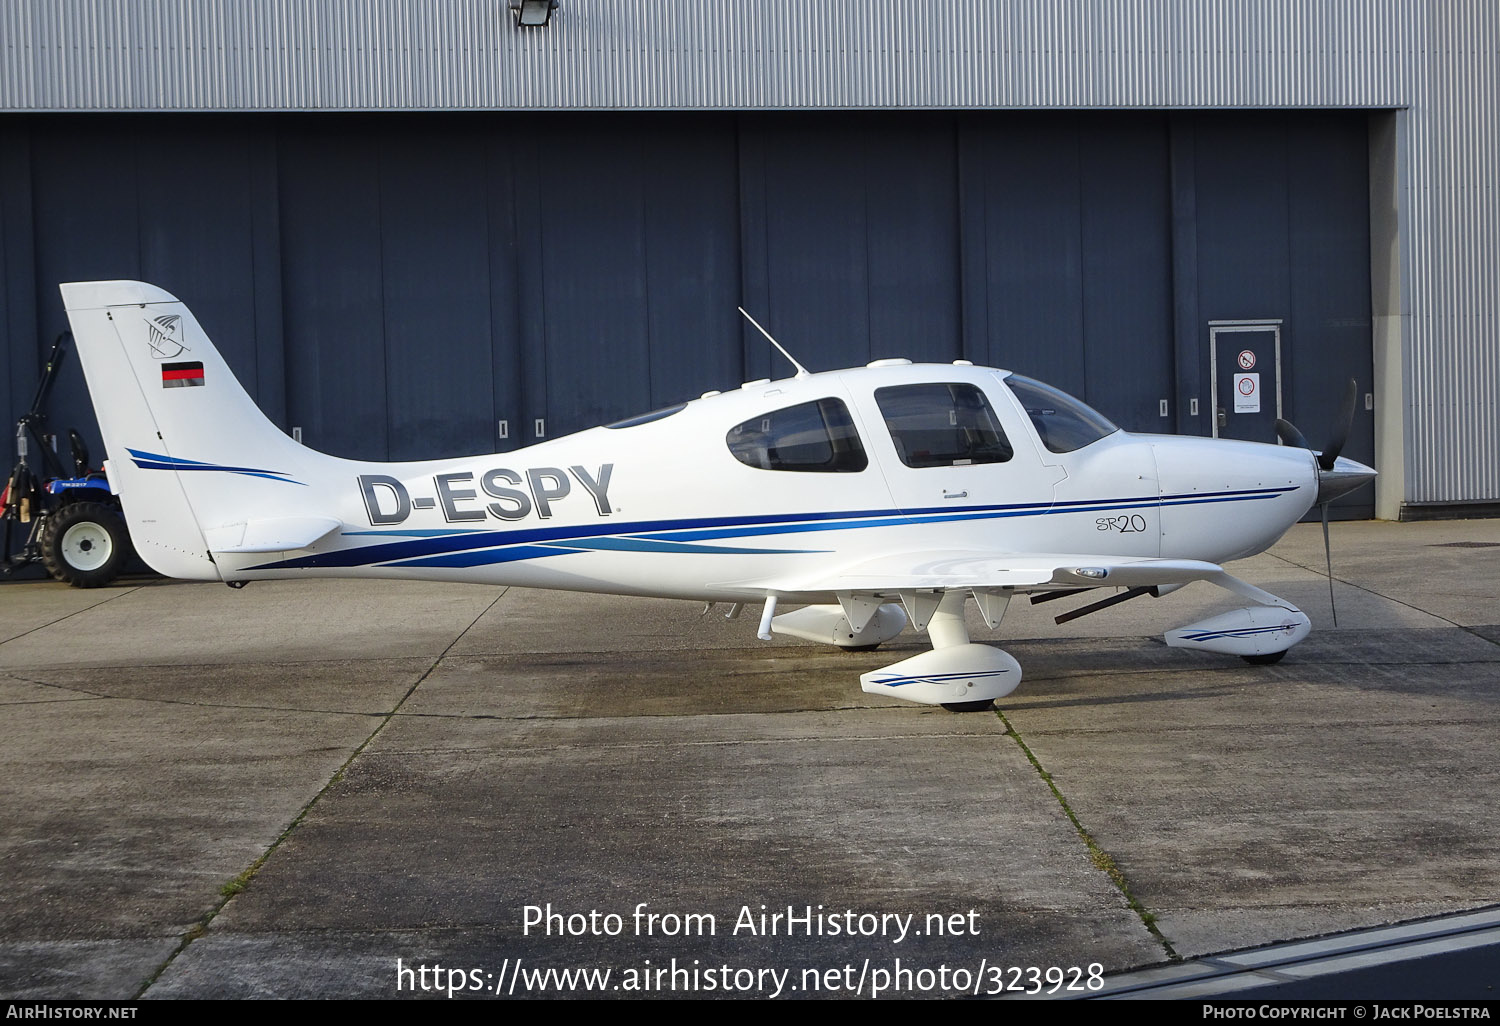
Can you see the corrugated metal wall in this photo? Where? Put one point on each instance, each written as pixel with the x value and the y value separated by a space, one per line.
pixel 1453 295
pixel 1438 58
pixel 671 54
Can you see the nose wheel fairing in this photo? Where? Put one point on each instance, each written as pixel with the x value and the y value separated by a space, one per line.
pixel 1250 632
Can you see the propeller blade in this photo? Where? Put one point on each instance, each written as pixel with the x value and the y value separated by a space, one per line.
pixel 1328 562
pixel 1289 435
pixel 1340 428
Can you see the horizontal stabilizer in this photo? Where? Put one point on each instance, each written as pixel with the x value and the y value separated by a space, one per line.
pixel 277 534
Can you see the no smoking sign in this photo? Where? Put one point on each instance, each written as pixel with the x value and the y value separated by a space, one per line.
pixel 1247 393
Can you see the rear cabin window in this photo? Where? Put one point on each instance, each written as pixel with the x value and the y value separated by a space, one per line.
pixel 817 437
pixel 942 425
pixel 647 418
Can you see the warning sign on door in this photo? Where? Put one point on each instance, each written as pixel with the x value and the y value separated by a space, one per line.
pixel 1247 393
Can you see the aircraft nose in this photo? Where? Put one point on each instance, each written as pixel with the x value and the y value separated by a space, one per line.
pixel 1345 476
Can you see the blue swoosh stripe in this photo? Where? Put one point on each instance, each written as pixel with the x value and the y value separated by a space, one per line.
pixel 654 545
pixel 460 550
pixel 507 554
pixel 1242 632
pixel 370 554
pixel 941 515
pixel 480 558
pixel 156 461
pixel 937 678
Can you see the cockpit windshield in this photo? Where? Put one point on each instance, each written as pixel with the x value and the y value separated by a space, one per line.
pixel 1062 422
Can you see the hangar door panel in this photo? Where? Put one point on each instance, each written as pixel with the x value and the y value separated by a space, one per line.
pixel 1068 260
pixel 639 281
pixel 389 297
pixel 1127 260
pixel 332 293
pixel 850 239
pixel 436 283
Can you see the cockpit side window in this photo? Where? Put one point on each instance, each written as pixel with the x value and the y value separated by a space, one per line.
pixel 942 425
pixel 816 437
pixel 1062 422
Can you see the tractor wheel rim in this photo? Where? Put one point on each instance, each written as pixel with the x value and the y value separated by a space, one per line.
pixel 86 546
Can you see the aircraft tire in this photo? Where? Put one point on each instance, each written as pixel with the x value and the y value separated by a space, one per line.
pixel 1265 658
pixel 984 705
pixel 85 544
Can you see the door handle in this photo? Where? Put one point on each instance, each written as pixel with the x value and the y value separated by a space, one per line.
pixel 1223 418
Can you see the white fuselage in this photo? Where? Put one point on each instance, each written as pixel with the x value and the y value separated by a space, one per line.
pixel 666 508
pixel 876 498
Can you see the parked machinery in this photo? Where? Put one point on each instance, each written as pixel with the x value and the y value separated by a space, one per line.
pixel 65 517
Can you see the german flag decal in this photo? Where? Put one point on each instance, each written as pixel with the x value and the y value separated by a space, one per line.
pixel 180 375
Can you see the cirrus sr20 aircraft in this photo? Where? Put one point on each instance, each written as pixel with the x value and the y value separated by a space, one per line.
pixel 875 499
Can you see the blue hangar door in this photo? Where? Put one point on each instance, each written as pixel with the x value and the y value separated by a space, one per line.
pixel 404 286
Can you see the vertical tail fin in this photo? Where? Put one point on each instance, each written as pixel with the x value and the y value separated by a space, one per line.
pixel 192 457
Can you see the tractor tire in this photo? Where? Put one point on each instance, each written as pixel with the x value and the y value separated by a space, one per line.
pixel 85 544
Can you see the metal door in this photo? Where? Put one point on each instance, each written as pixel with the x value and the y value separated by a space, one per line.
pixel 1245 378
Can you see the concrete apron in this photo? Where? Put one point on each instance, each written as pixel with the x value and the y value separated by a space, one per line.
pixel 285 790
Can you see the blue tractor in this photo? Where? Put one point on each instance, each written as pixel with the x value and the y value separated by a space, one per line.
pixel 67 518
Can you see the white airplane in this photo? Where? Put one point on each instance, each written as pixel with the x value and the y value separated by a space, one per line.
pixel 873 498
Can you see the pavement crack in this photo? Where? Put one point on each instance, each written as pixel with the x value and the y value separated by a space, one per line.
pixel 1316 726
pixel 1323 573
pixel 84 694
pixel 1102 860
pixel 48 684
pixel 628 746
pixel 1482 637
pixel 228 892
pixel 563 717
pixel 121 593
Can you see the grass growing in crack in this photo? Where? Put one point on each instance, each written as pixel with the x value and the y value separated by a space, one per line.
pixel 226 892
pixel 1102 860
pixel 242 881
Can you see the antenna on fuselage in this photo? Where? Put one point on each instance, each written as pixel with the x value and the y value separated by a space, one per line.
pixel 801 370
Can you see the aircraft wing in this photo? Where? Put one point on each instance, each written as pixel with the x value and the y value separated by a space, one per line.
pixel 921 571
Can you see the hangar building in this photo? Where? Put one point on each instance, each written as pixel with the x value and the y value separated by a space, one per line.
pixel 420 229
